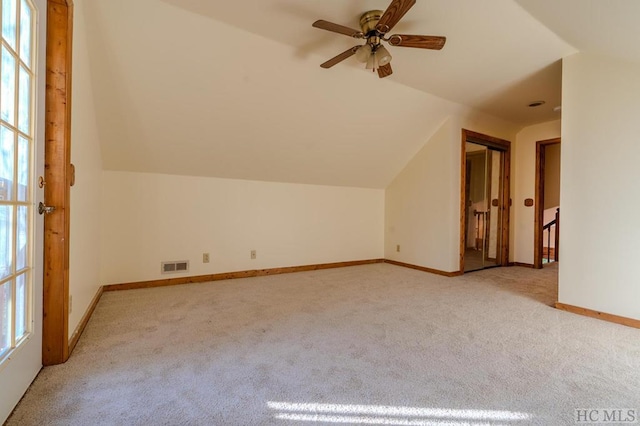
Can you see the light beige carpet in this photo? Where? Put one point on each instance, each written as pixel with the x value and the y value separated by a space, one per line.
pixel 375 344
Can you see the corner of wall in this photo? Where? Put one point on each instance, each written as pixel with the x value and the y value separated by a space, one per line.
pixel 419 207
pixel 84 250
pixel 599 267
pixel 524 186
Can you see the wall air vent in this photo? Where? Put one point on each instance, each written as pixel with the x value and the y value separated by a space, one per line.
pixel 175 267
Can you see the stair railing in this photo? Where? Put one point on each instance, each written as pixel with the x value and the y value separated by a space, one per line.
pixel 555 222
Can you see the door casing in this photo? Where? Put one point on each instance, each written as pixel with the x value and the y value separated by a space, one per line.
pixel 539 200
pixel 55 324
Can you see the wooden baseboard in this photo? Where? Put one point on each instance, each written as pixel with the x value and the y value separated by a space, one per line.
pixel 424 269
pixel 629 322
pixel 234 275
pixel 523 265
pixel 84 321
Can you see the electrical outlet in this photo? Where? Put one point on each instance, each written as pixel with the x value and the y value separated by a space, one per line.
pixel 253 254
pixel 205 258
pixel 398 248
pixel 70 303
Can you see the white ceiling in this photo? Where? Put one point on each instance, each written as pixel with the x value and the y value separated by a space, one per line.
pixel 234 89
pixel 497 59
pixel 605 27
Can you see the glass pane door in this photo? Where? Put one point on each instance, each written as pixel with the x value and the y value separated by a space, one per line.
pixel 482 195
pixel 16 149
pixel 22 80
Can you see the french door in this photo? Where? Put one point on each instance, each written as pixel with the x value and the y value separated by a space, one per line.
pixel 22 76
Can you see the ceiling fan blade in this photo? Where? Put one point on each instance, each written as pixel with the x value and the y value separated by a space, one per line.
pixel 418 41
pixel 396 10
pixel 385 71
pixel 335 28
pixel 341 57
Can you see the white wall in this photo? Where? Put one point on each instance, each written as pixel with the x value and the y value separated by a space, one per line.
pixel 422 205
pixel 525 186
pixel 149 218
pixel 84 262
pixel 599 235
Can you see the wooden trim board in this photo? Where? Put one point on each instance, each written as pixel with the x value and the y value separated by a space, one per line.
pixel 629 322
pixel 522 265
pixel 276 271
pixel 424 269
pixel 55 323
pixel 234 275
pixel 84 321
pixel 264 272
pixel 463 200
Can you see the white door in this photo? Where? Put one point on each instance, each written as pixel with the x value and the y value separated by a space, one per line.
pixel 22 74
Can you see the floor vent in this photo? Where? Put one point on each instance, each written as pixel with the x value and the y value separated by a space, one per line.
pixel 174 267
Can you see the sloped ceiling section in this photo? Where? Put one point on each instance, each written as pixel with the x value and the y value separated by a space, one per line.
pixel 497 59
pixel 592 26
pixel 182 87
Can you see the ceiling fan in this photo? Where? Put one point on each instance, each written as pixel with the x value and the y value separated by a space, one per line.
pixel 374 26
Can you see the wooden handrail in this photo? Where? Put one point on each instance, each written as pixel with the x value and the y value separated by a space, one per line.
pixel 556 244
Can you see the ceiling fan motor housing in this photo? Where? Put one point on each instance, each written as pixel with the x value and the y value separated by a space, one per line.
pixel 369 21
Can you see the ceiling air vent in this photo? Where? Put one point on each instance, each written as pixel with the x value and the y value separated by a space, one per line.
pixel 175 267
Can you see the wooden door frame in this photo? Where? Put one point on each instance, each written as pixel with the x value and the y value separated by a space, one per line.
pixel 505 176
pixel 57 177
pixel 539 200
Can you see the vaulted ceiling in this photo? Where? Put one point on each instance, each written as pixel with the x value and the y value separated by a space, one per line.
pixel 234 89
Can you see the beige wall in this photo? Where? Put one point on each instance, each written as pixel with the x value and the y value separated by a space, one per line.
pixel 524 184
pixel 150 218
pixel 599 230
pixel 552 176
pixel 84 264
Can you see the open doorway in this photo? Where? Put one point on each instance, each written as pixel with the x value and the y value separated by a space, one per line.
pixel 484 206
pixel 547 213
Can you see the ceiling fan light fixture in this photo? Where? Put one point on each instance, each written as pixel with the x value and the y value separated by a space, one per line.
pixel 372 62
pixel 383 57
pixel 363 53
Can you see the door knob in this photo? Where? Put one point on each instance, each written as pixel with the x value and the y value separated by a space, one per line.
pixel 42 209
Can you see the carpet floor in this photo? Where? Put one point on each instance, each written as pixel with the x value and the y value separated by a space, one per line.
pixel 373 344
